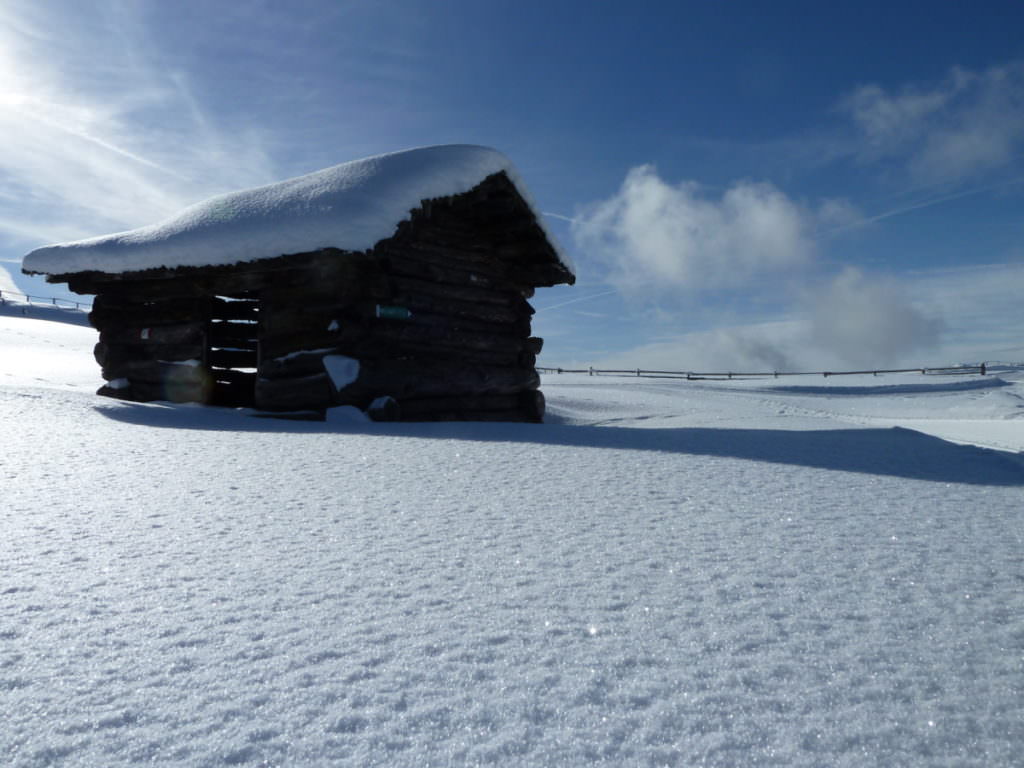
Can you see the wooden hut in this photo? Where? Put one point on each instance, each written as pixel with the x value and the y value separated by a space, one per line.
pixel 396 284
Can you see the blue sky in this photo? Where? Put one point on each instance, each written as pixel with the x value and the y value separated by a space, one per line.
pixel 741 185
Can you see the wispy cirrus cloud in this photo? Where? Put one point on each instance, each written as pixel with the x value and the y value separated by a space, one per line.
pixel 98 134
pixel 967 125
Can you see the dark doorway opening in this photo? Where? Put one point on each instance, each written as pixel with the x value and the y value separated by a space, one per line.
pixel 232 349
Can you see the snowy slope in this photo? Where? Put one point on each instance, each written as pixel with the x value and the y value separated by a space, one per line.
pixel 351 206
pixel 667 573
pixel 984 411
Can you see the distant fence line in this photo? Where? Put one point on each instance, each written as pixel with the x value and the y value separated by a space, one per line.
pixel 52 300
pixel 980 369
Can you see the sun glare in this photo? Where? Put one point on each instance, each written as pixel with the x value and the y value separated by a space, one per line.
pixel 12 99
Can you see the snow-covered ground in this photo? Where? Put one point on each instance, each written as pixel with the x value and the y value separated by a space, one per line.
pixel 794 573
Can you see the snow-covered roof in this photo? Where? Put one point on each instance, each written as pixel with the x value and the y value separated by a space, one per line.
pixel 351 206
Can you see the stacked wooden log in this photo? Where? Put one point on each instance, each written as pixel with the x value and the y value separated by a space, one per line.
pixel 152 349
pixel 432 323
pixel 436 316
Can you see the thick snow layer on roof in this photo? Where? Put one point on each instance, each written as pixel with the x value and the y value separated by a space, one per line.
pixel 350 206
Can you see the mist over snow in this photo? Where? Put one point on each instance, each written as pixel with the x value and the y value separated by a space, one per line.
pixel 870 321
pixel 770 346
pixel 835 330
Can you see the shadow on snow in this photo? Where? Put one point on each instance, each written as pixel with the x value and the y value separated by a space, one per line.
pixel 895 389
pixel 895 452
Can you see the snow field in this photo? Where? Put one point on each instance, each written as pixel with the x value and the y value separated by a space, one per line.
pixel 661 575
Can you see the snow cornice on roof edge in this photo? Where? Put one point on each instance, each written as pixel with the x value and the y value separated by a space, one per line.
pixel 350 207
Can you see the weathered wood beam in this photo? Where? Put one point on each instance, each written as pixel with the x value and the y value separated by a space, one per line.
pixel 405 379
pixel 232 335
pixel 232 358
pixel 294 394
pixel 112 354
pixel 182 333
pixel 416 286
pixel 221 309
pixel 156 371
pixel 107 314
pixel 148 391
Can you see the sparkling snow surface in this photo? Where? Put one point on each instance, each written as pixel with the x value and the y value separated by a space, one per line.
pixel 666 573
pixel 351 206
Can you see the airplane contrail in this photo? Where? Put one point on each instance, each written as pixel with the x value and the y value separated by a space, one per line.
pixel 577 301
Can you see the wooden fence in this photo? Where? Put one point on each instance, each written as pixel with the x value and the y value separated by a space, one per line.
pixel 64 303
pixel 980 369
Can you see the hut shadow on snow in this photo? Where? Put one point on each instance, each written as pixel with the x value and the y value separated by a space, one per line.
pixel 894 452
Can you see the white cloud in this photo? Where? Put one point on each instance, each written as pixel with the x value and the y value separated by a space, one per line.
pixel 661 239
pixel 969 124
